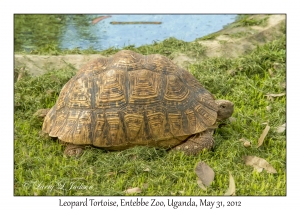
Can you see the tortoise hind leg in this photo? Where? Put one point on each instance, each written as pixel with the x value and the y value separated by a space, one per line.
pixel 73 150
pixel 196 143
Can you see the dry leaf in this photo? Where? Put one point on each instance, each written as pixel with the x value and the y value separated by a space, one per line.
pixel 200 184
pixel 263 136
pixel 133 190
pixel 259 164
pixel 146 169
pixel 231 188
pixel 275 95
pixel 271 96
pixel 271 72
pixel 281 129
pixel 231 72
pixel 205 173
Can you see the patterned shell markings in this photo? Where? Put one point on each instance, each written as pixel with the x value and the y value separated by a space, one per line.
pixel 130 99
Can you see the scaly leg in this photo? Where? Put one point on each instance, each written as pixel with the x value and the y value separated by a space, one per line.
pixel 73 150
pixel 196 143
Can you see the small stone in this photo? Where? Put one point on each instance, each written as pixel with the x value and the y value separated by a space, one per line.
pixel 247 144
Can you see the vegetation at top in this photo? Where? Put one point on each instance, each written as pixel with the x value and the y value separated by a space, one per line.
pixel 246 80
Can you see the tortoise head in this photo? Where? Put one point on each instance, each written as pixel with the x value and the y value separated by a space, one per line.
pixel 225 109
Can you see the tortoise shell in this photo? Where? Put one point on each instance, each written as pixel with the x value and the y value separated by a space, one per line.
pixel 130 99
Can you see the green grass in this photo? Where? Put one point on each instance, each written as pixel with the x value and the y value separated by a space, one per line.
pixel 248 20
pixel 209 36
pixel 169 47
pixel 241 21
pixel 41 169
pixel 241 34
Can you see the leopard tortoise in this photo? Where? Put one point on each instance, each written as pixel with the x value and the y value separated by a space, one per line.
pixel 130 99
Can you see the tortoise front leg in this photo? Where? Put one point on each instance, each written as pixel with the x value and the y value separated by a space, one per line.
pixel 73 150
pixel 196 143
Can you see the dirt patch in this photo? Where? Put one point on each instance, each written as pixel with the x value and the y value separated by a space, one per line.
pixel 183 60
pixel 233 42
pixel 229 42
pixel 228 46
pixel 37 65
